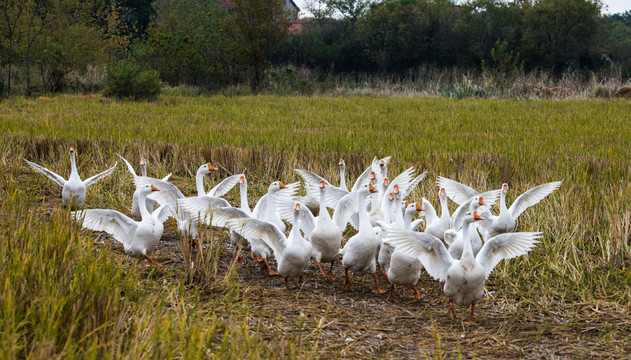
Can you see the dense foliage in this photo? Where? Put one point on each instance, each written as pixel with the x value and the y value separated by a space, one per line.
pixel 50 46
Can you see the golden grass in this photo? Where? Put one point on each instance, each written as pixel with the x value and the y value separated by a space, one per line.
pixel 575 285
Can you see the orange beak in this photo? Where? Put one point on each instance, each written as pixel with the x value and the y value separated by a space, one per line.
pixel 153 188
pixel 390 197
pixel 406 203
pixel 419 207
pixel 505 188
pixel 242 180
pixel 396 189
pixel 443 192
pixel 372 175
pixel 281 185
pixel 381 163
pixel 142 161
pixel 322 184
pixel 297 206
pixel 71 149
pixel 386 181
pixel 372 188
pixel 481 201
pixel 476 216
pixel 341 163
pixel 211 168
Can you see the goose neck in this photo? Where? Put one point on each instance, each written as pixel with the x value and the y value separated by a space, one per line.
pixel 343 177
pixel 323 211
pixel 364 218
pixel 142 200
pixel 467 249
pixel 199 181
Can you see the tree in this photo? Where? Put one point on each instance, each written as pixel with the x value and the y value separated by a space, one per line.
pixel 11 11
pixel 255 30
pixel 559 32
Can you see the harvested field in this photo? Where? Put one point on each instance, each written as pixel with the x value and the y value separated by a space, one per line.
pixel 68 291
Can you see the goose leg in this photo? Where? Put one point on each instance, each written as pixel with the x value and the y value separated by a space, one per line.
pixel 471 320
pixel 453 309
pixel 330 273
pixel 269 269
pixel 391 295
pixel 287 283
pixel 385 276
pixel 153 262
pixel 378 289
pixel 322 270
pixel 414 293
pixel 347 282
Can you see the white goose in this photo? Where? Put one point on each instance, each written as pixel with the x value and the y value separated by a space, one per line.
pixel 292 252
pixel 139 238
pixel 456 245
pixel 135 211
pixel 464 279
pixel 360 251
pixel 170 196
pixel 405 269
pixel 326 238
pixel 436 226
pixel 462 195
pixel 505 221
pixel 74 189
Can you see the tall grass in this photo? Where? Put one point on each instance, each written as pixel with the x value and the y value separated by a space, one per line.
pixel 52 275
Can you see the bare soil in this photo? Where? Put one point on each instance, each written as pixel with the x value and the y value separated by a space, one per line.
pixel 360 324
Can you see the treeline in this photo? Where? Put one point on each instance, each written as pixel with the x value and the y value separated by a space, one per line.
pixel 395 36
pixel 91 45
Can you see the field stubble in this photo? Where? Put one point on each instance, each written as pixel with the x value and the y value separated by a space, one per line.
pixel 69 292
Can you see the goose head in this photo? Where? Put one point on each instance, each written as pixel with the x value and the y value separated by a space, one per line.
pixel 386 182
pixel 147 189
pixel 476 202
pixel 504 188
pixel 442 194
pixel 242 180
pixel 322 184
pixel 206 168
pixel 143 167
pixel 413 208
pixel 372 176
pixel 472 216
pixel 341 164
pixel 71 151
pixel 275 186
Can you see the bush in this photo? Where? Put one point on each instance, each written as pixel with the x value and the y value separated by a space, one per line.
pixel 128 81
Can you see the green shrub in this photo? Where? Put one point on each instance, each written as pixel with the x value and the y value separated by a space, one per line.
pixel 127 80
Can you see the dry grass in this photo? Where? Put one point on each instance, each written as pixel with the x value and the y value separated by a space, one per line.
pixel 569 298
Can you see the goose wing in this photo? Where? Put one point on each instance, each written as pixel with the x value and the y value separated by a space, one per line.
pixel 505 246
pixel 456 191
pixel 129 167
pixel 346 211
pixel 251 229
pixel 201 207
pixel 429 249
pixel 223 187
pixel 285 209
pixel 532 197
pixel 429 212
pixel 407 191
pixel 49 174
pixel 121 227
pixel 97 177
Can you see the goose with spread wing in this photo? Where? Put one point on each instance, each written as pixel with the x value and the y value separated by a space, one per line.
pixel 170 196
pixel 73 190
pixel 135 211
pixel 505 221
pixel 292 252
pixel 139 238
pixel 464 278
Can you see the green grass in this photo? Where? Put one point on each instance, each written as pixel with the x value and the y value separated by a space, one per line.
pixel 65 295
